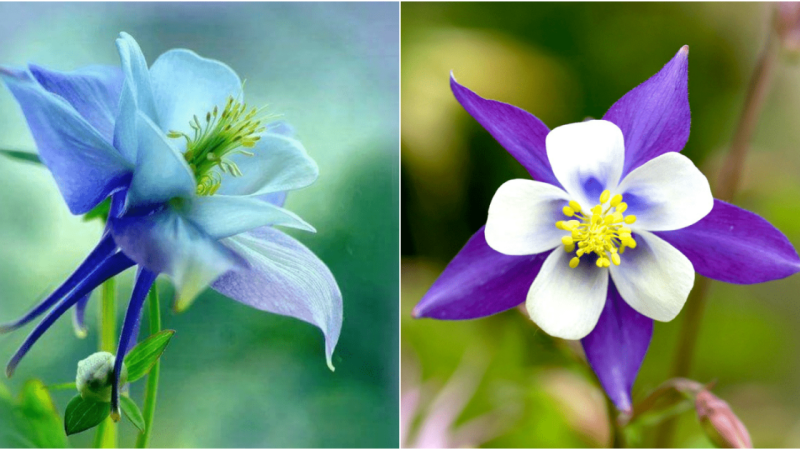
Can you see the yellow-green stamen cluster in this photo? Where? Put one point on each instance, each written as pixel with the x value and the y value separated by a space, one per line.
pixel 603 232
pixel 216 139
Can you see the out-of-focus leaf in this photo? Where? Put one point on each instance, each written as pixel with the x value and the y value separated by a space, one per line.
pixel 142 358
pixel 62 386
pixel 82 415
pixel 31 420
pixel 132 412
pixel 22 156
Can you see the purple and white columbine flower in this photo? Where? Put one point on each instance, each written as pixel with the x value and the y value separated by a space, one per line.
pixel 610 235
pixel 197 181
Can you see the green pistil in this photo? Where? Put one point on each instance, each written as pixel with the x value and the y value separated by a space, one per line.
pixel 214 141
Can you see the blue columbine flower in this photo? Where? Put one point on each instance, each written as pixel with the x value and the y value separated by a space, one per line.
pixel 609 237
pixel 197 181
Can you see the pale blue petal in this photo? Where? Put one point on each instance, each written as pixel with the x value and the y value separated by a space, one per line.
pixel 85 166
pixel 165 242
pixel 161 172
pixel 284 277
pixel 93 91
pixel 279 163
pixel 134 66
pixel 222 216
pixel 125 137
pixel 186 85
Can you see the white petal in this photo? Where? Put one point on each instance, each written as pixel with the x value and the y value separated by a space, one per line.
pixel 523 215
pixel 587 158
pixel 567 302
pixel 654 278
pixel 666 193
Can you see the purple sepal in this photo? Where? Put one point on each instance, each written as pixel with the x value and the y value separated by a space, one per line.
pixel 479 282
pixel 93 91
pixel 654 117
pixel 617 346
pixel 130 329
pixel 521 133
pixel 736 246
pixel 85 166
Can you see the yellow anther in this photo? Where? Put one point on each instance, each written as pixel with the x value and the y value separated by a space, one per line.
pixel 602 231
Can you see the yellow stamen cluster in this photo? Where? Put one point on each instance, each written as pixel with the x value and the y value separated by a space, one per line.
pixel 220 136
pixel 603 232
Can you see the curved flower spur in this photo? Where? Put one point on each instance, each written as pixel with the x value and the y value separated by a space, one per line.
pixel 197 181
pixel 610 235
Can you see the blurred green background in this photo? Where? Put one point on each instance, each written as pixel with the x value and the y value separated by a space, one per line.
pixel 565 62
pixel 234 376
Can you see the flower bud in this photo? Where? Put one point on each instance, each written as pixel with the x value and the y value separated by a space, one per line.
pixel 94 377
pixel 720 423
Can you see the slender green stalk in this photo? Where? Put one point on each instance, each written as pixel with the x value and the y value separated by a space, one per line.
pixel 106 435
pixel 151 390
pixel 725 188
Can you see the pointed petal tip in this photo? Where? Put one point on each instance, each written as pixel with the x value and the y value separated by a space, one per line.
pixel 416 313
pixel 452 75
pixel 330 364
pixel 684 50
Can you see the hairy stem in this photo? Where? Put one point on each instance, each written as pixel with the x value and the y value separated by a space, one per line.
pixel 106 435
pixel 151 390
pixel 725 188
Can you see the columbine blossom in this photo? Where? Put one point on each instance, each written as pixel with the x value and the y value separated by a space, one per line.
pixel 610 235
pixel 197 181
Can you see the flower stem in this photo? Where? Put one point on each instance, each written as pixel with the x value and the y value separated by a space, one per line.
pixel 106 435
pixel 725 188
pixel 151 390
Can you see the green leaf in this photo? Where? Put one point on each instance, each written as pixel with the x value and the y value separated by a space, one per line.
pixel 84 414
pixel 132 412
pixel 31 420
pixel 144 356
pixel 22 156
pixel 99 212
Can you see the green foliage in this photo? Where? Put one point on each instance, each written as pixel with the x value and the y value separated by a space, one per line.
pixel 82 414
pixel 99 212
pixel 142 358
pixel 132 412
pixel 31 420
pixel 22 156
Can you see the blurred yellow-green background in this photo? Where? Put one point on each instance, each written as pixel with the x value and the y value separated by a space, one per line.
pixel 233 376
pixel 515 386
